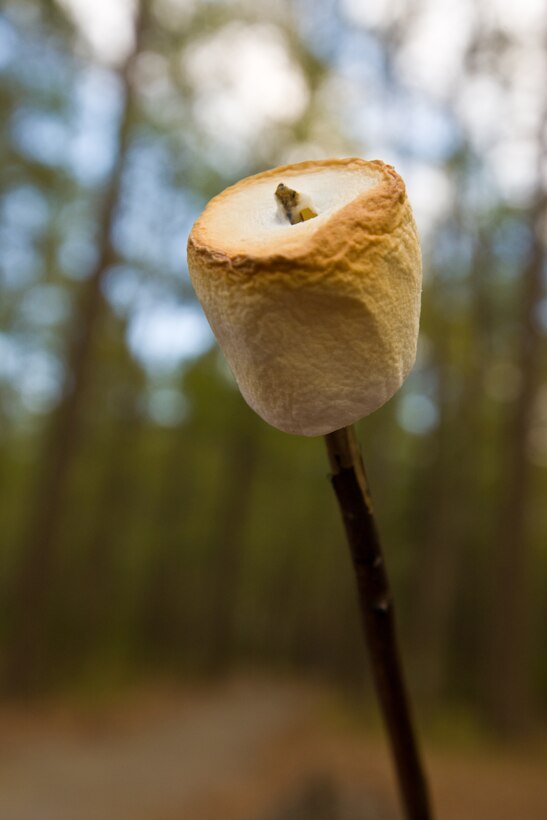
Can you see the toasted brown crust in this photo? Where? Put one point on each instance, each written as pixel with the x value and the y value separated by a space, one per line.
pixel 374 213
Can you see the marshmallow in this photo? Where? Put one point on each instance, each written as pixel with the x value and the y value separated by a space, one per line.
pixel 318 320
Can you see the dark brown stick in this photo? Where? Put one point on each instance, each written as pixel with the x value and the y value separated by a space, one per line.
pixel 377 616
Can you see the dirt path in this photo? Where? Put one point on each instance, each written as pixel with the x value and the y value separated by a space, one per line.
pixel 235 752
pixel 145 760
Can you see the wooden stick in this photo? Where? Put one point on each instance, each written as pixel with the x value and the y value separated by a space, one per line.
pixel 377 616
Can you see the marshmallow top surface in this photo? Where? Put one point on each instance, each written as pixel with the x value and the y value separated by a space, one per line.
pixel 245 218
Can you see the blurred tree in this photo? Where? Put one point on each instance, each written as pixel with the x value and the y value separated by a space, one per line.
pixel 511 688
pixel 38 559
pixel 241 458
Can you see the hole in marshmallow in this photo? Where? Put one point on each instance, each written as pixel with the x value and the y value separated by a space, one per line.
pixel 293 205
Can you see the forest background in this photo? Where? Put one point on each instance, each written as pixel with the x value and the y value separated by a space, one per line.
pixel 150 524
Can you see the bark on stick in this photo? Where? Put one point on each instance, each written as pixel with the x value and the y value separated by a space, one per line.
pixel 376 607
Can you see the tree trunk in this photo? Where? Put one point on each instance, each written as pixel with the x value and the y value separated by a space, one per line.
pixel 451 538
pixel 169 596
pixel 100 584
pixel 27 649
pixel 241 462
pixel 434 585
pixel 510 673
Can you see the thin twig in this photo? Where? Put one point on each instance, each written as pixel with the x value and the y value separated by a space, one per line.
pixel 377 616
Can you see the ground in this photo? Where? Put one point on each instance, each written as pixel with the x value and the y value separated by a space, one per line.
pixel 248 749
